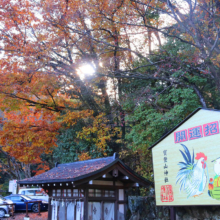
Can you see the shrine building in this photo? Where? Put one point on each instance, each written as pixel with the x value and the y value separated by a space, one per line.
pixel 94 189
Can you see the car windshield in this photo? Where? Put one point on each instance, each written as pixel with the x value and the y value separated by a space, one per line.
pixel 26 197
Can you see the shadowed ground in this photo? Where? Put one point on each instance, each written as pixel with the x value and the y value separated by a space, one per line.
pixel 32 216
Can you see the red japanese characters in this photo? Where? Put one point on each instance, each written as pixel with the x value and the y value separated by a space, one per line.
pixel 166 193
pixel 196 132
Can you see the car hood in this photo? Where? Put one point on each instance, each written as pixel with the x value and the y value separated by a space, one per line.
pixel 34 200
pixel 8 201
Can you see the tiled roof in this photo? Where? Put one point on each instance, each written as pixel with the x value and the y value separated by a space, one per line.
pixel 84 170
pixel 71 170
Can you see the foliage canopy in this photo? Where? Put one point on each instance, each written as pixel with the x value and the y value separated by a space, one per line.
pixel 154 61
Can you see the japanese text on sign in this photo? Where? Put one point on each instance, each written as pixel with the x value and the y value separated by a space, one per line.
pixel 197 132
pixel 165 166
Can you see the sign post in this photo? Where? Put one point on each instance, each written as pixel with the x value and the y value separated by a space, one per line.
pixel 172 213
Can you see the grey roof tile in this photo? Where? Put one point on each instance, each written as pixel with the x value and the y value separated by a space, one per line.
pixel 72 170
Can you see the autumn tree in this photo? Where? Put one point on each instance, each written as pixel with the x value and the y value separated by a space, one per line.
pixel 45 43
pixel 42 54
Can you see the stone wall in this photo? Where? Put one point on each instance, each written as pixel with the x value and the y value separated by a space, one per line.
pixel 144 208
pixel 198 213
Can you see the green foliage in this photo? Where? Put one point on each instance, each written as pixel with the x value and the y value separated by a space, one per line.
pixel 4 188
pixel 70 147
pixel 154 107
pixel 151 123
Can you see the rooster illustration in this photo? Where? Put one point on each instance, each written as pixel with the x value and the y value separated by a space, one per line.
pixel 191 176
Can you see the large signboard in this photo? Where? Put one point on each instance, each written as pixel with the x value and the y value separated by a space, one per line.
pixel 187 162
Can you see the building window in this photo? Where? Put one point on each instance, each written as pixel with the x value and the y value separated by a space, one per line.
pixel 53 192
pixel 109 193
pixel 58 192
pixel 100 193
pixel 91 193
pixel 75 193
pixel 69 193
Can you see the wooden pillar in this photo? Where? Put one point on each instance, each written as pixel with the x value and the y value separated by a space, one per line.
pixel 75 207
pixel 102 208
pixel 39 208
pixel 26 209
pixel 49 208
pixel 172 213
pixel 12 211
pixel 116 204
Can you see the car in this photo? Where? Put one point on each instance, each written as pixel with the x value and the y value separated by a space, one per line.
pixel 20 204
pixel 34 193
pixel 4 208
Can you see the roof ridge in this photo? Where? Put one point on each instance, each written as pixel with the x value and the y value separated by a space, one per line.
pixel 86 161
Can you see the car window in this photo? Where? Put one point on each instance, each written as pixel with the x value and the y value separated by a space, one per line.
pixel 22 193
pixel 39 192
pixel 29 192
pixel 27 197
pixel 16 198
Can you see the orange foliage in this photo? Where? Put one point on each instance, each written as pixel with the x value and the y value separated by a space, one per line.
pixel 84 156
pixel 39 77
pixel 99 133
pixel 28 133
pixel 41 168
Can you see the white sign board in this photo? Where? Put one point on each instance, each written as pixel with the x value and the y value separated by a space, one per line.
pixel 12 186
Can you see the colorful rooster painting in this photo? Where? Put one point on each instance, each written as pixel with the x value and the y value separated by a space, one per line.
pixel 214 183
pixel 191 176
